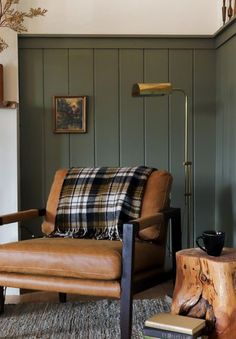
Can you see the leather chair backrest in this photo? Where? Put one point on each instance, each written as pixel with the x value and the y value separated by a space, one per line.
pixel 155 199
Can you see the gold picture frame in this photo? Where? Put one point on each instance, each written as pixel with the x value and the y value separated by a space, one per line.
pixel 69 114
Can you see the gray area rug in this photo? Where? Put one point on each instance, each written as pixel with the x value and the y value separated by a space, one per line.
pixel 79 320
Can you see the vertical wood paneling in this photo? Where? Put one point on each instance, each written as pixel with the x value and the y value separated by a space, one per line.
pixel 106 107
pixel 131 109
pixel 156 66
pixel 204 140
pixel 122 130
pixel 181 65
pixel 226 141
pixel 55 83
pixel 31 132
pixel 81 83
pixel 220 109
pixel 31 123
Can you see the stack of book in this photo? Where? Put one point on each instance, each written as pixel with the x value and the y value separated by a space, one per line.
pixel 171 326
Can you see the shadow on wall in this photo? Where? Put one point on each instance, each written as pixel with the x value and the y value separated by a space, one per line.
pixel 225 216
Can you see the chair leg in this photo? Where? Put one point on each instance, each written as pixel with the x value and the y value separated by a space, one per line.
pixel 126 311
pixel 62 297
pixel 126 302
pixel 2 299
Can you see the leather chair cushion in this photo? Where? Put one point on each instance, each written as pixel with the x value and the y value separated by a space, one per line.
pixel 75 258
pixel 88 287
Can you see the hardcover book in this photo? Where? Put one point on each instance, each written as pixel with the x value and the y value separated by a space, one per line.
pixel 176 323
pixel 151 333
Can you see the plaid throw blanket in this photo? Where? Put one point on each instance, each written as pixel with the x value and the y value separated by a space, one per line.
pixel 95 202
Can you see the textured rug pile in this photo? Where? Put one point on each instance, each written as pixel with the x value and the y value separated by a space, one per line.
pixel 79 320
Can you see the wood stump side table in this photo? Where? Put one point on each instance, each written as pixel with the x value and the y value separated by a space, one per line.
pixel 205 288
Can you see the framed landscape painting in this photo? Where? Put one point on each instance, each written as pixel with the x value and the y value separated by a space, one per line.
pixel 69 114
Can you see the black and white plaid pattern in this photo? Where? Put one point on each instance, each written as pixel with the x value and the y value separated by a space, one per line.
pixel 94 202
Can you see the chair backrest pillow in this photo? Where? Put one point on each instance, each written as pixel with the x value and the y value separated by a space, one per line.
pixel 95 202
pixel 155 199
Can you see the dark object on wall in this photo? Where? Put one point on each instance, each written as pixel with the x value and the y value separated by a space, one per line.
pixel 234 7
pixel 224 9
pixel 1 83
pixel 70 114
pixel 230 10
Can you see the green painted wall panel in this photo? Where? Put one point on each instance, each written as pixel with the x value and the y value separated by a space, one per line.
pixel 115 41
pixel 55 83
pixel 226 140
pixel 204 140
pixel 156 69
pixel 220 108
pixel 121 130
pixel 81 83
pixel 31 126
pixel 106 108
pixel 31 135
pixel 131 109
pixel 180 68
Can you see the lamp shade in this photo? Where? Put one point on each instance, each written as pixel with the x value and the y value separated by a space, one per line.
pixel 151 89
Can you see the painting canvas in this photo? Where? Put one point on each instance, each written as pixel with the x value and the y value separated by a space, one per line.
pixel 70 114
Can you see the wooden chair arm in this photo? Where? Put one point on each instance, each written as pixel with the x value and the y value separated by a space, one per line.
pixel 165 215
pixel 147 221
pixel 20 216
pixel 170 214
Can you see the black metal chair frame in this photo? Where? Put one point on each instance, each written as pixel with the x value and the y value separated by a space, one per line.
pixel 128 288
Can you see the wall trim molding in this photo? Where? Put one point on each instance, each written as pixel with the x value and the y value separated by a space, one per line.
pixel 225 34
pixel 151 42
pixel 215 41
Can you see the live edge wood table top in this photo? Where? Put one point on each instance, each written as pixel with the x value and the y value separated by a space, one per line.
pixel 205 288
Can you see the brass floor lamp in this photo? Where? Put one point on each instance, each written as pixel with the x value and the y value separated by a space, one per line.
pixel 157 89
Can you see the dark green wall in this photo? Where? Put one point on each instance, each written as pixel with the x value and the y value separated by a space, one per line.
pixel 226 134
pixel 122 130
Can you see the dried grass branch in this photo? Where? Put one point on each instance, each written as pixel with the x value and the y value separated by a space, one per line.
pixel 13 19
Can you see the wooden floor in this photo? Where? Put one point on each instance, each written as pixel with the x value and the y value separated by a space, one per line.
pixel 158 291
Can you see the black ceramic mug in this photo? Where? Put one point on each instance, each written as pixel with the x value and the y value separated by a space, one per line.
pixel 213 242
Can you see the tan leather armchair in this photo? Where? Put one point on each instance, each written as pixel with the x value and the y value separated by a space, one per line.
pixel 103 268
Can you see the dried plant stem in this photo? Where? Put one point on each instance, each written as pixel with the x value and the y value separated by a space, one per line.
pixel 13 19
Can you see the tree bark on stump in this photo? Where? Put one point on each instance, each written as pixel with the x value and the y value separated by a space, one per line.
pixel 205 288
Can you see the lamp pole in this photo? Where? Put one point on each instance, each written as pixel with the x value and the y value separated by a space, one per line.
pixel 187 168
pixel 156 89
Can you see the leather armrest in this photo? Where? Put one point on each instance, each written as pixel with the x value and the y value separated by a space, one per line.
pixel 147 221
pixel 20 216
